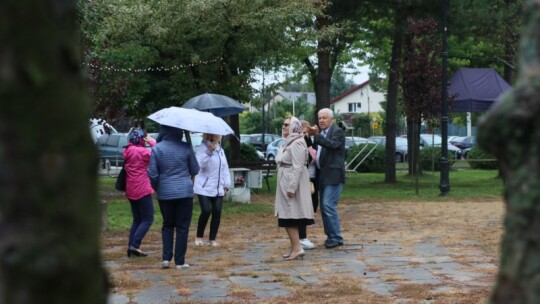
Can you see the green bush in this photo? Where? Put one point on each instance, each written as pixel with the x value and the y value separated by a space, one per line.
pixel 373 163
pixel 247 152
pixel 430 158
pixel 477 153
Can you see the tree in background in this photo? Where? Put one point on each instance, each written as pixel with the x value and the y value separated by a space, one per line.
pixel 421 82
pixel 49 215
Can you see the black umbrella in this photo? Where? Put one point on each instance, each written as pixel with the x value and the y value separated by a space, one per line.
pixel 219 105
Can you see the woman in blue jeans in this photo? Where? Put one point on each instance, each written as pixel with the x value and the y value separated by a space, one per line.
pixel 211 185
pixel 138 189
pixel 171 168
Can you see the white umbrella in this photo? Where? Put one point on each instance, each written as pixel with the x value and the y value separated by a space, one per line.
pixel 191 120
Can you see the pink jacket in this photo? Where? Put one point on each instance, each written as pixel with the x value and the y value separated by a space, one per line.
pixel 136 159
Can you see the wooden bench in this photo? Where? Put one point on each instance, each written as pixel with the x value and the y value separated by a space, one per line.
pixel 268 167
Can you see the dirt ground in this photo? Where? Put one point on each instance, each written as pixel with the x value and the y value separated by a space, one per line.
pixel 394 252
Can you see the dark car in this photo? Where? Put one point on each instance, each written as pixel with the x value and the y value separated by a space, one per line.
pixel 401 146
pixel 110 148
pixel 464 142
pixel 256 140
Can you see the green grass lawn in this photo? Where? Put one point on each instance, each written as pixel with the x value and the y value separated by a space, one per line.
pixel 466 185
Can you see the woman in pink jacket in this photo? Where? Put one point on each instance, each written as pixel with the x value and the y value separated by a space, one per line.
pixel 138 189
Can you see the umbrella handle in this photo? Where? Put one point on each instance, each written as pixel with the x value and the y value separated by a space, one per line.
pixel 187 136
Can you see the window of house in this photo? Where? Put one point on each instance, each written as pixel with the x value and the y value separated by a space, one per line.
pixel 354 107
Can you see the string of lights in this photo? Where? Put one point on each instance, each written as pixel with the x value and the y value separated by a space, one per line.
pixel 149 69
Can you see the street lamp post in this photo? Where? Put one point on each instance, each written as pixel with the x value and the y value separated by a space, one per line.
pixel 444 185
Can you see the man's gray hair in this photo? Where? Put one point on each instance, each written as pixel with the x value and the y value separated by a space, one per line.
pixel 327 111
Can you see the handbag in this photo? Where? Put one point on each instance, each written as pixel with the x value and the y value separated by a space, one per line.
pixel 121 180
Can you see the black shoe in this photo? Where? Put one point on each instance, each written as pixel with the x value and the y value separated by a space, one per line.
pixel 331 244
pixel 136 253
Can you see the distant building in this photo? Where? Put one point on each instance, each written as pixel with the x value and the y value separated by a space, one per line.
pixel 292 96
pixel 358 99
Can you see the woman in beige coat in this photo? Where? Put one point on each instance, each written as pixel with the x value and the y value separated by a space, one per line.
pixel 293 206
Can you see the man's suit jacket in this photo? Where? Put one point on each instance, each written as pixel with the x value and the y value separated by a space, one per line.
pixel 332 157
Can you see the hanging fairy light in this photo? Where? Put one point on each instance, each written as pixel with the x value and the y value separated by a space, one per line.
pixel 149 69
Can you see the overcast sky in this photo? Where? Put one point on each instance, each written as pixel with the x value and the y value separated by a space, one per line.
pixel 361 76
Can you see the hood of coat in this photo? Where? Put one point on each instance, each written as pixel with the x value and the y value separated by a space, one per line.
pixel 292 137
pixel 169 133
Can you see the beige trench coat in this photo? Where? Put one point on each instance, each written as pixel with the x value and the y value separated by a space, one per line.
pixel 293 176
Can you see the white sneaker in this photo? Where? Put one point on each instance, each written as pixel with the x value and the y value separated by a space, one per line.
pixel 165 264
pixel 183 266
pixel 307 244
pixel 213 244
pixel 199 242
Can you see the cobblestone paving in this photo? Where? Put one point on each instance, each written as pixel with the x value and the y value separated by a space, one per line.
pixel 381 264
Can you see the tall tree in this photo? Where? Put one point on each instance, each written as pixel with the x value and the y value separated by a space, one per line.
pixel 49 216
pixel 510 131
pixel 421 82
pixel 323 40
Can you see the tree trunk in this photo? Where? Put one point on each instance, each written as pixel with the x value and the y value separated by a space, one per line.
pixel 324 70
pixel 511 130
pixel 49 215
pixel 391 105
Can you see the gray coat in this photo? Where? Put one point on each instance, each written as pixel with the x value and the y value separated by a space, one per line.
pixel 293 176
pixel 172 165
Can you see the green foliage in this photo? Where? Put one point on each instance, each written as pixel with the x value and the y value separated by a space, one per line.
pixel 146 55
pixel 373 163
pixel 430 158
pixel 477 153
pixel 362 121
pixel 251 122
pixel 247 152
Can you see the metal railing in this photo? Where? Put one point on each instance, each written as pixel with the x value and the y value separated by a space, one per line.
pixel 348 170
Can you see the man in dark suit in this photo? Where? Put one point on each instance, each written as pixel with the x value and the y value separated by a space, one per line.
pixel 331 164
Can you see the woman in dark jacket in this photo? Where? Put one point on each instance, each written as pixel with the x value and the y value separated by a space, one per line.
pixel 172 166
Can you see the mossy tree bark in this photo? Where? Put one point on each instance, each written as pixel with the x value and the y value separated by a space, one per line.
pixel 49 216
pixel 511 131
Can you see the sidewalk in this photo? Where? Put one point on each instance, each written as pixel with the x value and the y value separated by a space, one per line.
pixel 392 259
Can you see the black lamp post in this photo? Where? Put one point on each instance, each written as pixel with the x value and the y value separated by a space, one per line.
pixel 444 185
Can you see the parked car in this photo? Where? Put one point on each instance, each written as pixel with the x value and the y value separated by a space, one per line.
pixel 256 140
pixel 196 138
pixel 401 146
pixel 272 149
pixel 435 140
pixel 464 142
pixel 357 140
pixel 110 148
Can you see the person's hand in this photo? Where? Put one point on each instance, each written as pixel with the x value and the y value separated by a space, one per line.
pixel 290 194
pixel 314 130
pixel 212 146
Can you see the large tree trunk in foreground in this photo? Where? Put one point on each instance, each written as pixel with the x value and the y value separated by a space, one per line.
pixel 49 217
pixel 511 131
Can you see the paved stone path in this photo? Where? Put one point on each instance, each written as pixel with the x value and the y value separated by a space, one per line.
pixel 382 265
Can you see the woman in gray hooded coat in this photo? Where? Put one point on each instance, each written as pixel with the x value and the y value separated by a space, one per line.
pixel 172 166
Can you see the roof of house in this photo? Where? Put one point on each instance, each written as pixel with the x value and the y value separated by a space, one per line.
pixel 310 96
pixel 349 91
